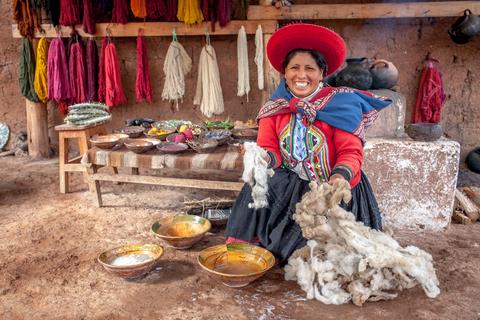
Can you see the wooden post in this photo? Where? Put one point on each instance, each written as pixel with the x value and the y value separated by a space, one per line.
pixel 37 130
pixel 272 77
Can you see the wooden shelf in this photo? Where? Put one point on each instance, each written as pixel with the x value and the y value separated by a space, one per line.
pixel 157 29
pixel 364 10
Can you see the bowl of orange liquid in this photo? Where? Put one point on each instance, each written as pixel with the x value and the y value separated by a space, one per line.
pixel 181 231
pixel 236 265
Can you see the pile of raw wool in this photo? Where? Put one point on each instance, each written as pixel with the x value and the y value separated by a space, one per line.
pixel 347 261
pixel 256 173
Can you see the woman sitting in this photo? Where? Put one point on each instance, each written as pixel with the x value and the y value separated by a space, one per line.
pixel 310 132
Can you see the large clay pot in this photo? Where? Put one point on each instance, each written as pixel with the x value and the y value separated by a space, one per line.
pixel 465 28
pixel 355 75
pixel 384 74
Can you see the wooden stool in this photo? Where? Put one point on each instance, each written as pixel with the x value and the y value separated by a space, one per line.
pixel 82 134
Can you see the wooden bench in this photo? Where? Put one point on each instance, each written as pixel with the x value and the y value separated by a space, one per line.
pixel 224 159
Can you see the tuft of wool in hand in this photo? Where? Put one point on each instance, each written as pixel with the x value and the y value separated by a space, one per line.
pixel 346 261
pixel 256 174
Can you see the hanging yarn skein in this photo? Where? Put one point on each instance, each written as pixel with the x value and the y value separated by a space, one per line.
pixel 139 8
pixel 69 12
pixel 27 71
pixel 259 56
pixel 101 71
pixel 92 70
pixel 88 21
pixel 52 8
pixel 171 10
pixel 243 83
pixel 120 11
pixel 189 11
pixel 40 82
pixel 114 95
pixel 57 75
pixel 156 9
pixel 208 94
pixel 76 67
pixel 223 12
pixel 143 89
pixel 177 64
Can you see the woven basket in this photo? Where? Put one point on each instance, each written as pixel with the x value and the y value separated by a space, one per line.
pixel 203 145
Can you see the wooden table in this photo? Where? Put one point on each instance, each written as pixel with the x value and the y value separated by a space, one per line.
pixel 223 159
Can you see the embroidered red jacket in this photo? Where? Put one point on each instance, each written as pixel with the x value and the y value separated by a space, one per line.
pixel 334 150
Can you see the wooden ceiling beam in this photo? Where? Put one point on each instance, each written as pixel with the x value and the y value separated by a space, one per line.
pixel 363 10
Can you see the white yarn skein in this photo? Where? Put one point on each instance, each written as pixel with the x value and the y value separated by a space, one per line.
pixel 208 94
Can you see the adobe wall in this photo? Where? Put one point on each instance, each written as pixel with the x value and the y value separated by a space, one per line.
pixel 405 42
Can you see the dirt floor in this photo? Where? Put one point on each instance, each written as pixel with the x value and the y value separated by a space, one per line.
pixel 49 243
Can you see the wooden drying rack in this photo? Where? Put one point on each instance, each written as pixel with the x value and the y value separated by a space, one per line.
pixel 266 16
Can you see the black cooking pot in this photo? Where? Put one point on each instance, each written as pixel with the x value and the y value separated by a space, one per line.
pixel 473 160
pixel 465 28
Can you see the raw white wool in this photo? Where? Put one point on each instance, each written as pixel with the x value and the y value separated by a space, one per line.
pixel 349 261
pixel 209 94
pixel 177 64
pixel 256 174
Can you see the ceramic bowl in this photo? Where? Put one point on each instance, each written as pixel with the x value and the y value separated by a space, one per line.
pixel 203 145
pixel 133 131
pixel 160 133
pixel 246 134
pixel 105 142
pixel 236 265
pixel 181 231
pixel 171 147
pixel 138 145
pixel 121 136
pixel 424 131
pixel 221 136
pixel 153 141
pixel 131 261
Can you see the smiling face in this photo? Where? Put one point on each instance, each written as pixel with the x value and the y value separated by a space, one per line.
pixel 302 74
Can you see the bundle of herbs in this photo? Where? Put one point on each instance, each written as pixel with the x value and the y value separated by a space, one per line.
pixel 88 113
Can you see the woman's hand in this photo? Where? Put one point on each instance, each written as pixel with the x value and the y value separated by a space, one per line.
pixel 334 178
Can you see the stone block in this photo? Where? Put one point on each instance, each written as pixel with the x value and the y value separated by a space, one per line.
pixel 414 182
pixel 391 120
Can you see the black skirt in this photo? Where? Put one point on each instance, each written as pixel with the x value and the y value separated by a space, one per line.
pixel 274 228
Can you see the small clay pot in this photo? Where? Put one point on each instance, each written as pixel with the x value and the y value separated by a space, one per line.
pixel 384 74
pixel 465 28
pixel 424 131
pixel 473 160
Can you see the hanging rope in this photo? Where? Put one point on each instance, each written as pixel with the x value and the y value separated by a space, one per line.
pixel 143 89
pixel 189 11
pixel 92 70
pixel 120 11
pixel 243 82
pixel 177 64
pixel 40 82
pixel 208 94
pixel 156 9
pixel 57 75
pixel 114 95
pixel 69 12
pixel 139 8
pixel 27 71
pixel 88 19
pixel 259 56
pixel 101 71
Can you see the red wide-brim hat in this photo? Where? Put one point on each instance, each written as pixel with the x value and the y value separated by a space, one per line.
pixel 306 36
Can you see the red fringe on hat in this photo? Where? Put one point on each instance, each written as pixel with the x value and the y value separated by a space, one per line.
pixel 120 11
pixel 113 81
pixel 88 21
pixel 142 86
pixel 101 72
pixel 156 9
pixel 69 12
pixel 78 79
